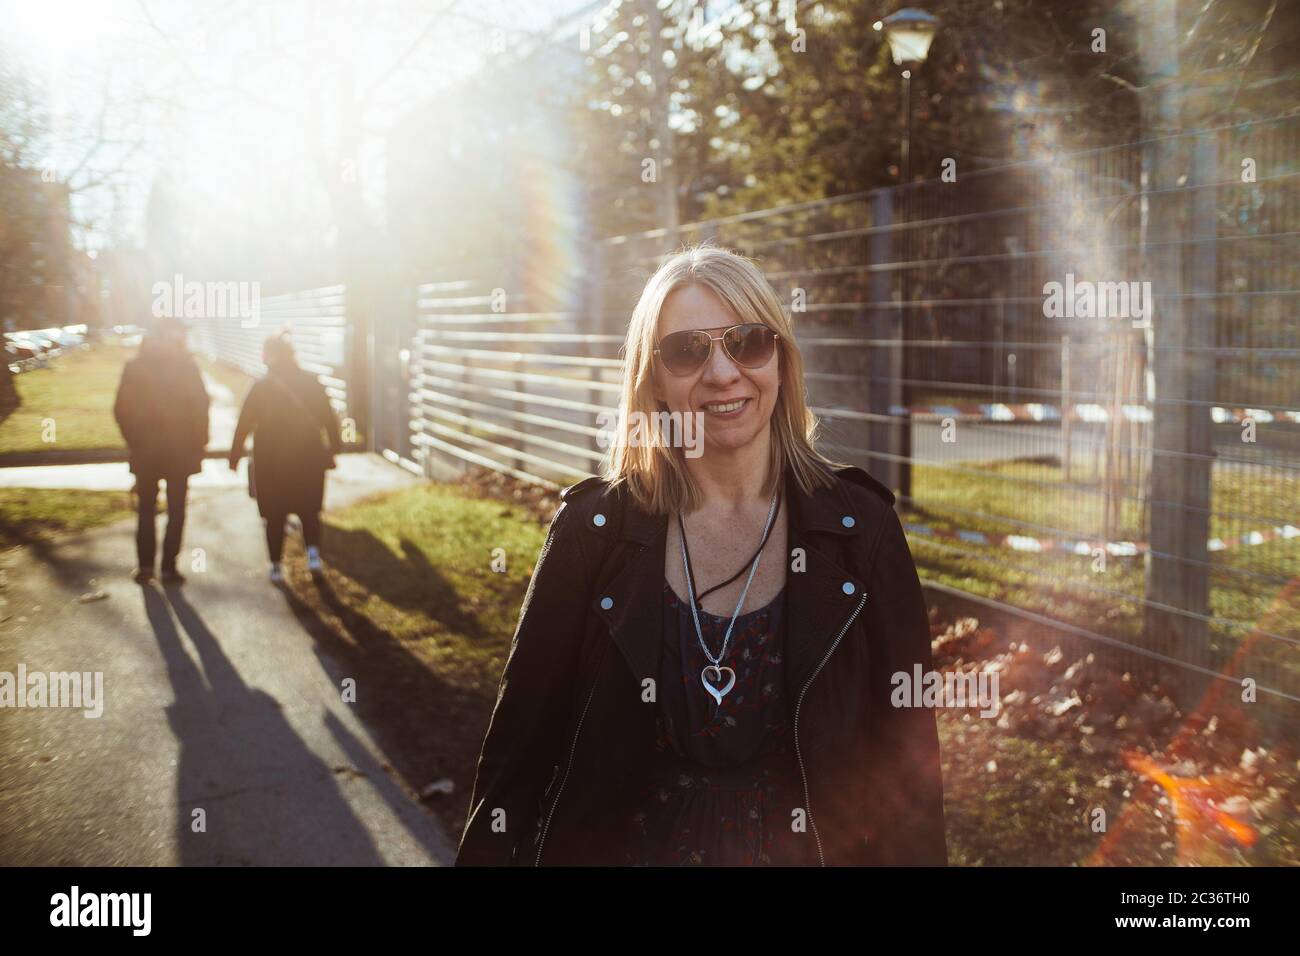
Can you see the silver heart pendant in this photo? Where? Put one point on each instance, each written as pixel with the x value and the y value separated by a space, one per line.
pixel 715 692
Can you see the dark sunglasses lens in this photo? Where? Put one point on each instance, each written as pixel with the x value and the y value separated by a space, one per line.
pixel 750 345
pixel 684 351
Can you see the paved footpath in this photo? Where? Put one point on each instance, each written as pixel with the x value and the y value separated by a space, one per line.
pixel 216 700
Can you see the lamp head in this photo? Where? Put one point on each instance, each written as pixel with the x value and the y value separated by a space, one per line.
pixel 909 32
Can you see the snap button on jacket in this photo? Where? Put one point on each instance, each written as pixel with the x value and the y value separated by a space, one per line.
pixel 573 726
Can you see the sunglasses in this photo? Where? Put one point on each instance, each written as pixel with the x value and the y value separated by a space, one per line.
pixel 749 346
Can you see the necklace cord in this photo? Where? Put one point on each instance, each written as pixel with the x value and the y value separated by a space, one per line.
pixel 699 598
pixel 722 653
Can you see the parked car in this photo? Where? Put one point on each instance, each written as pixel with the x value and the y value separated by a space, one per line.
pixel 19 352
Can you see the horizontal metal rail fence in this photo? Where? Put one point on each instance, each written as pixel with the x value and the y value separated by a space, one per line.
pixel 495 384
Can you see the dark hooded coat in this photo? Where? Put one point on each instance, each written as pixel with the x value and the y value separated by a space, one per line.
pixel 295 438
pixel 162 411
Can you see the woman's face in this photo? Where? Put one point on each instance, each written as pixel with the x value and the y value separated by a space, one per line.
pixel 720 381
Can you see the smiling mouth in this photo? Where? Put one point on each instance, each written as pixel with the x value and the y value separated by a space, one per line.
pixel 725 408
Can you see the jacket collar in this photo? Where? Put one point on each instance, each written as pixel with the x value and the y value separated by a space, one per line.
pixel 821 596
pixel 826 510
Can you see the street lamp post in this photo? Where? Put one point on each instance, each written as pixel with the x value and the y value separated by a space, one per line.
pixel 906 165
pixel 909 32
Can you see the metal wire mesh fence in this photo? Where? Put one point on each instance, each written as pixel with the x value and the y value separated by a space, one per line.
pixel 1078 372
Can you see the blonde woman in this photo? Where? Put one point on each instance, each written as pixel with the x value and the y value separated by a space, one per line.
pixel 701 672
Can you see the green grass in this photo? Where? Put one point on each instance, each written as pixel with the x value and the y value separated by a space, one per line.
pixel 40 514
pixel 1068 586
pixel 68 405
pixel 428 551
pixel 1025 809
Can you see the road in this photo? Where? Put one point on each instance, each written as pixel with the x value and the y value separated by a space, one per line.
pixel 218 707
pixel 990 441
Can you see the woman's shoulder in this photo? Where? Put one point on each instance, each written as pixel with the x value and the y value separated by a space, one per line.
pixel 589 517
pixel 583 489
pixel 869 502
pixel 862 486
pixel 853 485
pixel 597 503
pixel 592 496
pixel 884 537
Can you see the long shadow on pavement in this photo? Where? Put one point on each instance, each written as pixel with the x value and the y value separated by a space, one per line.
pixel 266 797
pixel 429 727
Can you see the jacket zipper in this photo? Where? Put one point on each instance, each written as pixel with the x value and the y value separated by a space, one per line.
pixel 541 840
pixel 807 800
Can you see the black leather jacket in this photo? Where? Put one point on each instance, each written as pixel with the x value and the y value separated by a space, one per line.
pixel 571 728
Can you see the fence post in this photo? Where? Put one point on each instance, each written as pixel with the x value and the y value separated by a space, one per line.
pixel 1067 425
pixel 520 407
pixel 386 380
pixel 595 310
pixel 1200 338
pixel 407 343
pixel 885 386
pixel 424 324
pixel 359 301
pixel 1179 492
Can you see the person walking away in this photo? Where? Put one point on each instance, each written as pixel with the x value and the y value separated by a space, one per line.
pixel 162 411
pixel 295 438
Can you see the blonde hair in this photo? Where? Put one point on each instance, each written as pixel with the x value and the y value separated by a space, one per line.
pixel 654 472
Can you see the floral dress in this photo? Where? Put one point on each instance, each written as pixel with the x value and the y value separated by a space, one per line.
pixel 724 780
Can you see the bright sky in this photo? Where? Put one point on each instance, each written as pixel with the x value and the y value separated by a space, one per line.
pixel 226 96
